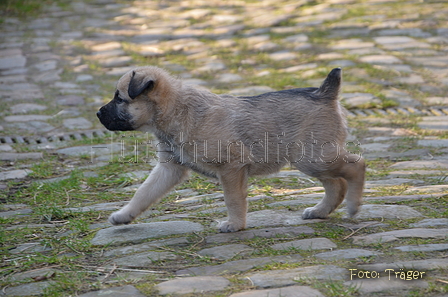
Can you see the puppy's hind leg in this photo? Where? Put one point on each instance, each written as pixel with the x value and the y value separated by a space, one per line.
pixel 354 172
pixel 335 189
pixel 161 180
pixel 235 193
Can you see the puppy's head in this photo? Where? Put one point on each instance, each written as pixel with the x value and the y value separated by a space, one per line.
pixel 139 96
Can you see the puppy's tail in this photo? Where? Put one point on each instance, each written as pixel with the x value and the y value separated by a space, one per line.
pixel 332 84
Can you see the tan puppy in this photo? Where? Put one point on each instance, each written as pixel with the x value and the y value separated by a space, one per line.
pixel 232 138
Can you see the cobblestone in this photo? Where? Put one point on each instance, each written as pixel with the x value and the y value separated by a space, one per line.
pixel 347 254
pixel 143 260
pixel 226 252
pixel 384 284
pixel 291 291
pixel 187 285
pixel 14 174
pixel 370 211
pixel 306 244
pixel 287 277
pixel 395 235
pixel 31 289
pixel 239 265
pixel 138 233
pixel 115 291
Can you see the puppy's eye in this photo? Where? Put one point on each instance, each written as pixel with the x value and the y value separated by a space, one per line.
pixel 119 100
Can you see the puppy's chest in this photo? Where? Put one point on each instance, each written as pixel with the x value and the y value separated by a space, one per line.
pixel 198 155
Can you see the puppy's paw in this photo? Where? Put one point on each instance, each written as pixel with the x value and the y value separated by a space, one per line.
pixel 352 210
pixel 120 218
pixel 313 213
pixel 227 226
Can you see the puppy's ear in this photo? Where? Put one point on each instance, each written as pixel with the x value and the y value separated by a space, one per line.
pixel 332 84
pixel 138 84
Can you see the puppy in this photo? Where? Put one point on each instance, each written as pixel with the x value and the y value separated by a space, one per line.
pixel 233 138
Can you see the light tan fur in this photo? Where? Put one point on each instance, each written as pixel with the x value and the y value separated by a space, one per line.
pixel 232 138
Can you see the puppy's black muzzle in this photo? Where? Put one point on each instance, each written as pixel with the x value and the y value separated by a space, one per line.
pixel 112 120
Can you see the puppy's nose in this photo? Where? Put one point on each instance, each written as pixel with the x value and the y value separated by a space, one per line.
pixel 98 114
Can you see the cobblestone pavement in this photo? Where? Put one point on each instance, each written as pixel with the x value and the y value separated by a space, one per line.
pixel 58 185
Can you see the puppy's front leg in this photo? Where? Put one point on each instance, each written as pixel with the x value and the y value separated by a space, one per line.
pixel 161 180
pixel 235 192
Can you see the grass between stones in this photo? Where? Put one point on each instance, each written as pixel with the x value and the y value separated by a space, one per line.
pixel 78 263
pixel 70 252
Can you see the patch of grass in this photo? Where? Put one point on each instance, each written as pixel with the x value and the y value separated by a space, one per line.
pixel 379 165
pixel 280 81
pixel 379 72
pixel 403 144
pixel 52 212
pixel 56 192
pixel 334 233
pixel 318 36
pixel 439 286
pixel 437 210
pixel 44 169
pixel 392 190
pixel 71 282
pixel 24 8
pixel 335 288
pixel 357 11
pixel 200 184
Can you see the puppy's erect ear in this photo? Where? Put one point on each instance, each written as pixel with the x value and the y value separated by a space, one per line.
pixel 138 84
